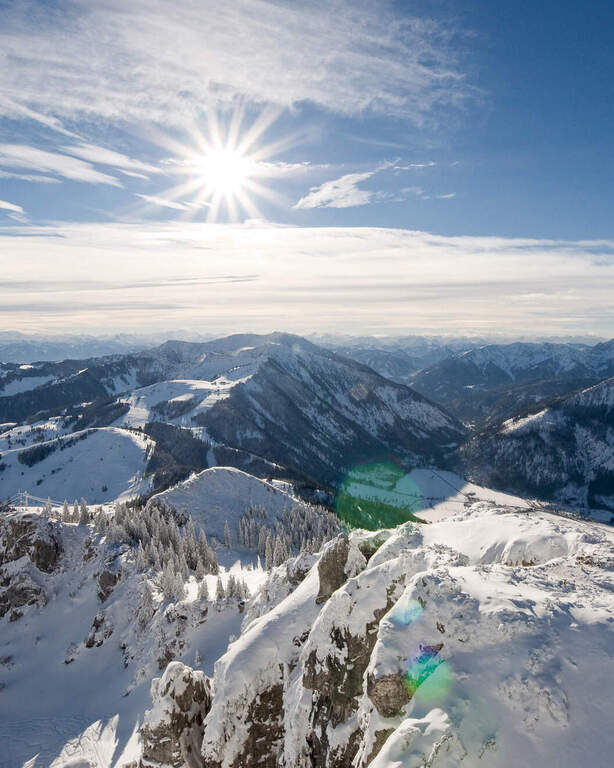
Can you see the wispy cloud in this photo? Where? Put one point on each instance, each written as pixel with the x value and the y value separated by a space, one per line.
pixel 412 166
pixel 15 110
pixel 36 178
pixel 13 211
pixel 304 279
pixel 152 60
pixel 22 156
pixel 6 206
pixel 339 193
pixel 103 156
pixel 163 202
pixel 346 193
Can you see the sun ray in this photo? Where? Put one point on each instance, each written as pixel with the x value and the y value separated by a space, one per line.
pixel 226 163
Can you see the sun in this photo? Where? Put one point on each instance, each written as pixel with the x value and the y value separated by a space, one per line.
pixel 225 171
pixel 224 166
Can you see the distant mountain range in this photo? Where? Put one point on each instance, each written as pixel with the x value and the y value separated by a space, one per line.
pixel 492 383
pixel 280 406
pixel 564 452
pixel 274 404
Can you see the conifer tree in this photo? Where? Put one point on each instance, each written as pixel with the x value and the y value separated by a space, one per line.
pixel 203 590
pixel 84 516
pixel 146 609
pixel 220 594
pixel 141 559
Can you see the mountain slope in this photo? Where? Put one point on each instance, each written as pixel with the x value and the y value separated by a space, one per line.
pixel 565 452
pixel 494 382
pixel 224 494
pixel 98 464
pixel 276 399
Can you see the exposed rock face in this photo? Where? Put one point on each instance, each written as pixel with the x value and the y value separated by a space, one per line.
pixel 264 740
pixel 389 694
pixel 29 545
pixel 106 582
pixel 29 535
pixel 331 568
pixel 20 591
pixel 101 630
pixel 172 732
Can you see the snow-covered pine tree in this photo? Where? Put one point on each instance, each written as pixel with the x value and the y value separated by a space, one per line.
pixel 75 512
pixel 268 552
pixel 220 594
pixel 65 512
pixel 84 516
pixel 200 569
pixel 262 537
pixel 227 540
pixel 203 589
pixel 178 587
pixel 141 558
pixel 183 568
pixel 167 580
pixel 146 609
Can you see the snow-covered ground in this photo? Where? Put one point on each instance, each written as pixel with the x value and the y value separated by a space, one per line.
pixel 173 397
pixel 222 494
pixel 492 635
pixel 99 465
pixel 25 384
pixel 73 705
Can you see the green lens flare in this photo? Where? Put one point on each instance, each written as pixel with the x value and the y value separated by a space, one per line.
pixel 378 496
pixel 429 678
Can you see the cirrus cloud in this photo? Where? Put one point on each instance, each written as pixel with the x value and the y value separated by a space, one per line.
pixel 334 279
pixel 157 60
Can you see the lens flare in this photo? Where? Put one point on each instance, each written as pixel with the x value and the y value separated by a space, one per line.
pixel 405 612
pixel 223 165
pixel 378 495
pixel 429 677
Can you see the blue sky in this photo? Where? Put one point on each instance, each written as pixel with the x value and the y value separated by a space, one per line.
pixel 483 127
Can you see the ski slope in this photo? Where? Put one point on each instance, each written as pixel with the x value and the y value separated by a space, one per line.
pixel 99 465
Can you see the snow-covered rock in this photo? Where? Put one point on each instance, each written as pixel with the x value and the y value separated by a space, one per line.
pixel 478 640
pixel 172 730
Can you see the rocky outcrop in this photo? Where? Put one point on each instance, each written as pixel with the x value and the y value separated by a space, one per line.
pixel 106 583
pixel 172 731
pixel 101 630
pixel 20 590
pixel 369 663
pixel 29 535
pixel 29 547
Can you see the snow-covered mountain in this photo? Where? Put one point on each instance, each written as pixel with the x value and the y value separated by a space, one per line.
pixel 400 358
pixel 273 405
pixel 221 495
pixel 476 640
pixel 564 452
pixel 494 382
